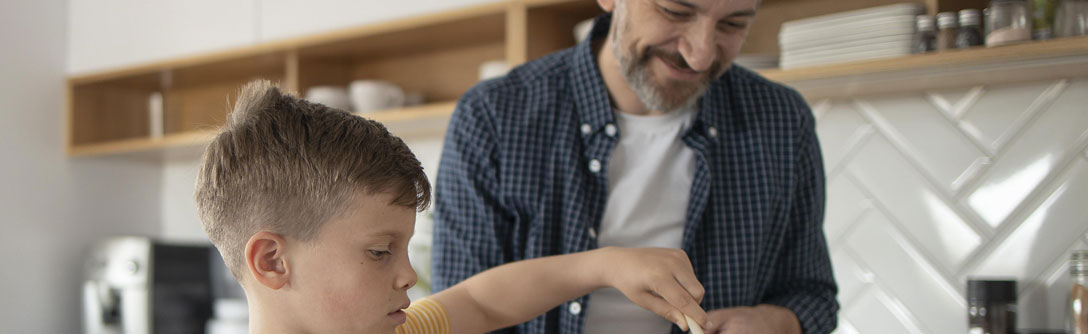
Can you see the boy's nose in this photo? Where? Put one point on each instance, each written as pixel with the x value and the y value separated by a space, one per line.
pixel 406 276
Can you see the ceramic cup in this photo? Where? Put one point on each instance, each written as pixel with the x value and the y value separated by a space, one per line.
pixel 375 95
pixel 330 96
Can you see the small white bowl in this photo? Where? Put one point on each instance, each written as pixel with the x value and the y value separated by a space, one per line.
pixel 375 95
pixel 331 96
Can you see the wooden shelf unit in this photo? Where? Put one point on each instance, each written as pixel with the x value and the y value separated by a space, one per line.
pixel 763 38
pixel 438 55
pixel 1028 61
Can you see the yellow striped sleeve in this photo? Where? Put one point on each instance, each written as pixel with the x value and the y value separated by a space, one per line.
pixel 425 316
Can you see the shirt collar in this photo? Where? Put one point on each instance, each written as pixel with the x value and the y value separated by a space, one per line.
pixel 591 94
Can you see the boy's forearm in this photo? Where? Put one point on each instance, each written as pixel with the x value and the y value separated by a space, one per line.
pixel 517 292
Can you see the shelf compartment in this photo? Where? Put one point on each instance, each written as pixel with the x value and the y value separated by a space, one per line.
pixel 763 37
pixel 551 24
pixel 413 57
pixel 429 119
pixel 111 110
pixel 1040 60
pixel 199 97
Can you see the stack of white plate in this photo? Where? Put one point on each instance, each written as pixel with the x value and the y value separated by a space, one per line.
pixel 872 33
pixel 757 61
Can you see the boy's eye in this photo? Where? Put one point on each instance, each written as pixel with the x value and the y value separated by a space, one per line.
pixel 380 254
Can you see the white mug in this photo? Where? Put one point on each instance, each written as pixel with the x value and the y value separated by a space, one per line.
pixel 375 95
pixel 330 96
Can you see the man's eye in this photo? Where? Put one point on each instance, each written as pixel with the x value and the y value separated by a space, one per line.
pixel 675 14
pixel 380 254
pixel 734 25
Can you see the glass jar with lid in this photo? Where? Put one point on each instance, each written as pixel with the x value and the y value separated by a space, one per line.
pixel 947 27
pixel 1078 299
pixel 970 33
pixel 1071 18
pixel 925 38
pixel 1009 21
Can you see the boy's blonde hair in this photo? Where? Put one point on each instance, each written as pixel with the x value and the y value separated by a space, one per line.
pixel 286 165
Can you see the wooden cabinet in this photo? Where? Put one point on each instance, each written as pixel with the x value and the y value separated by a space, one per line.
pixel 437 55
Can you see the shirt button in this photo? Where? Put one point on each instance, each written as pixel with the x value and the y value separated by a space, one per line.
pixel 610 130
pixel 713 132
pixel 595 165
pixel 593 233
pixel 575 308
pixel 586 129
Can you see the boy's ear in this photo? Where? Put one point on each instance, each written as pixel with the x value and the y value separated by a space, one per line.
pixel 266 259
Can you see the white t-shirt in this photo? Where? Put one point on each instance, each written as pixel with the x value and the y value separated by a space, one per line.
pixel 649 183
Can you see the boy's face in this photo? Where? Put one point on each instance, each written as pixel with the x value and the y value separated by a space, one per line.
pixel 354 277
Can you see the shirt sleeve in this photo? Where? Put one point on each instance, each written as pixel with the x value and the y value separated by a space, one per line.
pixel 425 316
pixel 804 282
pixel 469 227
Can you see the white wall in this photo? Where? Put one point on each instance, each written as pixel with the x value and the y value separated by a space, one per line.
pixel 107 34
pixel 53 206
pixel 927 189
pixel 289 18
pixel 113 33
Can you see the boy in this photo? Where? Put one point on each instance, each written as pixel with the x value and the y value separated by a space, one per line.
pixel 312 209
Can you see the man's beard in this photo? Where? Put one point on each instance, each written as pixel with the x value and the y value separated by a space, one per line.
pixel 673 95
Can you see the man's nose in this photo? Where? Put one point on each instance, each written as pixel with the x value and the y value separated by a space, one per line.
pixel 698 46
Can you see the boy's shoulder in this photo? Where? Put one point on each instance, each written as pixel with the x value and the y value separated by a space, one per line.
pixel 425 316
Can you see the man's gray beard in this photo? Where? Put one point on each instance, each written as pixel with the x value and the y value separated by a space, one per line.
pixel 641 81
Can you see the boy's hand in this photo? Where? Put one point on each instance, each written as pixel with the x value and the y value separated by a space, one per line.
pixel 658 279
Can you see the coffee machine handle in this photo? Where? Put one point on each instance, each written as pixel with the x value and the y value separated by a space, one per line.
pixel 92 308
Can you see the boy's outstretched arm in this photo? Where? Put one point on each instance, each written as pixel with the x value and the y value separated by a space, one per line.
pixel 658 279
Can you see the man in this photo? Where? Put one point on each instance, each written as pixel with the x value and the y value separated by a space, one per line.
pixel 645 135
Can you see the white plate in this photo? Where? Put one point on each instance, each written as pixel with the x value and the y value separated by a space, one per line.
pixel 757 62
pixel 888 25
pixel 855 15
pixel 873 35
pixel 792 62
pixel 858 45
pixel 896 49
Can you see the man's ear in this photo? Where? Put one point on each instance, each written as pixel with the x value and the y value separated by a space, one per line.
pixel 266 259
pixel 607 5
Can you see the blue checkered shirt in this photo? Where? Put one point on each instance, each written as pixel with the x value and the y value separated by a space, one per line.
pixel 515 183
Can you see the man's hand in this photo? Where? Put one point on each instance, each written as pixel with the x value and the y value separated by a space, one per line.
pixel 761 319
pixel 658 279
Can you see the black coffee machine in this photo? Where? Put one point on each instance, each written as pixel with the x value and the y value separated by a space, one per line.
pixel 137 285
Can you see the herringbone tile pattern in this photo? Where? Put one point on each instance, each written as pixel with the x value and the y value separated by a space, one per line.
pixel 928 189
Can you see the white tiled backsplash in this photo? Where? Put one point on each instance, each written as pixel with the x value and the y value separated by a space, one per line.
pixel 927 189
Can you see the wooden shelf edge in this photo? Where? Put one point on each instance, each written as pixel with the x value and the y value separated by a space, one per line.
pixel 980 56
pixel 411 114
pixel 138 145
pixel 436 115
